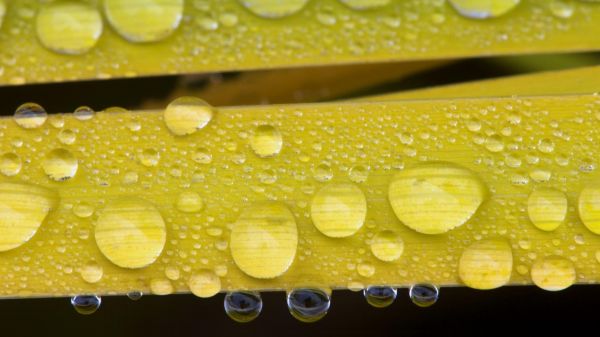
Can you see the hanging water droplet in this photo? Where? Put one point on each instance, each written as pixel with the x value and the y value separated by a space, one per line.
pixel 186 115
pixel 144 20
pixel 60 165
pixel 339 210
pixel 547 208
pixel 30 116
pixel 68 27
pixel 483 9
pixel 86 304
pixel 243 306
pixel 553 273
pixel 266 141
pixel 10 164
pixel 204 283
pixel 380 296
pixel 274 8
pixel 308 305
pixel 135 295
pixel 84 113
pixel 424 294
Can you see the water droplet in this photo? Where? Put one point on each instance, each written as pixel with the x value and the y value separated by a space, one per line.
pixel 202 156
pixel 323 173
pixel 30 116
pixel 365 4
pixel 553 273
pixel 359 174
pixel 60 165
pixel 380 296
pixel 546 145
pixel 2 11
pixel 563 9
pixel 92 272
pixel 84 113
pixel 589 208
pixel 264 240
pixel 308 305
pixel 486 264
pixel 144 20
pixel 204 283
pixel 424 294
pixel 189 202
pixel 161 286
pixel 243 306
pixel 23 208
pixel 266 141
pixel 540 176
pixel 274 8
pixel 186 115
pixel 135 295
pixel 67 136
pixel 149 157
pixel 68 27
pixel 365 270
pixel 83 210
pixel 494 143
pixel 433 198
pixel 130 232
pixel 10 164
pixel 547 208
pixel 86 304
pixel 483 9
pixel 387 246
pixel 339 210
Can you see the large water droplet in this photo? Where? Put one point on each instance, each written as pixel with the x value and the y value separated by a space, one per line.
pixel 434 198
pixel 424 294
pixel 204 283
pixel 380 296
pixel 69 27
pixel 86 304
pixel 589 208
pixel 266 141
pixel 553 273
pixel 243 306
pixel 23 208
pixel 547 208
pixel 60 165
pixel 144 20
pixel 308 305
pixel 387 246
pixel 483 9
pixel 130 232
pixel 30 116
pixel 264 239
pixel 486 264
pixel 187 115
pixel 339 210
pixel 274 8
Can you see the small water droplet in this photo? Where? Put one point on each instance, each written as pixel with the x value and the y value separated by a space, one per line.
pixel 84 113
pixel 204 283
pixel 149 157
pixel 563 9
pixel 186 115
pixel 92 272
pixel 86 304
pixel 202 156
pixel 189 202
pixel 308 305
pixel 483 9
pixel 135 295
pixel 274 9
pixel 387 246
pixel 67 136
pixel 547 208
pixel 424 294
pixel 30 116
pixel 359 174
pixel 546 145
pixel 380 296
pixel 161 286
pixel 323 173
pixel 10 164
pixel 243 306
pixel 83 210
pixel 365 4
pixel 60 165
pixel 365 270
pixel 266 141
pixel 339 210
pixel 494 143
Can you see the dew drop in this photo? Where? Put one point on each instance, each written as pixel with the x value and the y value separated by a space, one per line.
pixel 486 264
pixel 149 157
pixel 84 113
pixel 86 304
pixel 266 141
pixel 68 27
pixel 546 145
pixel 323 173
pixel 494 143
pixel 243 306
pixel 204 283
pixel 433 198
pixel 483 9
pixel 274 8
pixel 365 4
pixel 365 270
pixel 387 246
pixel 83 210
pixel 339 210
pixel 308 305
pixel 30 116
pixel 10 164
pixel 92 272
pixel 189 202
pixel 186 115
pixel 67 136
pixel 202 156
pixel 60 165
pixel 547 208
pixel 130 232
pixel 424 294
pixel 380 296
pixel 144 20
pixel 358 174
pixel 553 273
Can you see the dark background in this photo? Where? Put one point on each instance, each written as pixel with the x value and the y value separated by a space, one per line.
pixel 519 311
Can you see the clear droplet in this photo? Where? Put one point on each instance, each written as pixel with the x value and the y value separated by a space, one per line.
pixel 130 232
pixel 274 8
pixel 494 143
pixel 189 202
pixel 424 294
pixel 486 264
pixel 546 145
pixel 547 208
pixel 243 306
pixel 204 283
pixel 380 296
pixel 308 305
pixel 149 157
pixel 266 141
pixel 387 246
pixel 144 20
pixel 10 164
pixel 359 174
pixel 202 156
pixel 365 4
pixel 84 113
pixel 553 273
pixel 86 304
pixel 60 165
pixel 68 27
pixel 83 210
pixel 339 210
pixel 67 136
pixel 433 198
pixel 483 9
pixel 91 272
pixel 323 173
pixel 186 115
pixel 135 295
pixel 30 116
